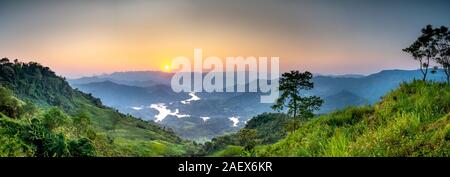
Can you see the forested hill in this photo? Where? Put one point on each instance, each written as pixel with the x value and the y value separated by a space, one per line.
pixel 34 98
pixel 41 85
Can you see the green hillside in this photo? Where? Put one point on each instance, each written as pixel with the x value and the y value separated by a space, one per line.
pixel 39 111
pixel 41 115
pixel 413 120
pixel 267 128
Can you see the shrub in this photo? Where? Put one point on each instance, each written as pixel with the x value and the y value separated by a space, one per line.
pixel 81 148
pixel 9 105
pixel 54 118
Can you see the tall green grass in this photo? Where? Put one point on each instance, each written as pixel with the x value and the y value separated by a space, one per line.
pixel 413 120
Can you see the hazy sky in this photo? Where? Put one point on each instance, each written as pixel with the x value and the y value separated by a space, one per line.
pixel 331 37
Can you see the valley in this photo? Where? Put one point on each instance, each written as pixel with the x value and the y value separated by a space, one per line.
pixel 203 116
pixel 149 121
pixel 213 78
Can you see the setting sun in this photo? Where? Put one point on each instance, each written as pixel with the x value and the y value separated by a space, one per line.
pixel 167 68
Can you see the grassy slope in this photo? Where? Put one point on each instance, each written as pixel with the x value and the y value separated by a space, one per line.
pixel 123 135
pixel 413 120
pixel 132 136
pixel 229 151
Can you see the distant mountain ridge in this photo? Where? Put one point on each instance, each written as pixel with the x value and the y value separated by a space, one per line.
pixel 369 87
pixel 120 91
pixel 342 75
pixel 115 94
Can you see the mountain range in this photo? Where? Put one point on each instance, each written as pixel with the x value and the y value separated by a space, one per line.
pixel 202 116
pixel 42 115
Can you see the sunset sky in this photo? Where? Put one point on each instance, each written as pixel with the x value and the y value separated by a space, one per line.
pixel 83 37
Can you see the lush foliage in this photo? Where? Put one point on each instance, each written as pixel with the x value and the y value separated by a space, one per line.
pixel 48 134
pixel 41 115
pixel 291 86
pixel 433 44
pixel 263 129
pixel 413 120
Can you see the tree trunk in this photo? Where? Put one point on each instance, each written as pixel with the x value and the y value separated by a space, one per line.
pixel 426 69
pixel 447 73
pixel 424 73
pixel 448 79
pixel 295 108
